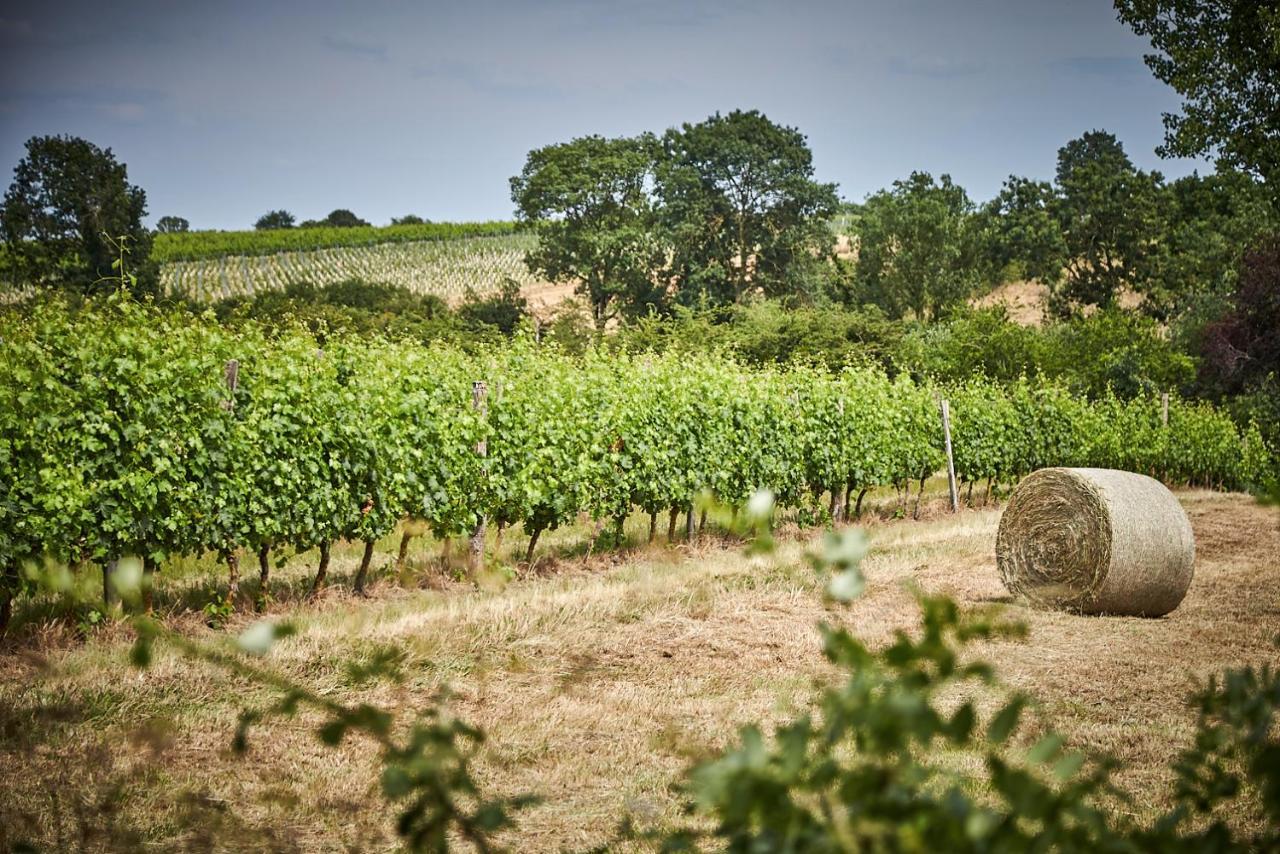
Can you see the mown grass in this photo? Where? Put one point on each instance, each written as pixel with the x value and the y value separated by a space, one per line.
pixel 599 681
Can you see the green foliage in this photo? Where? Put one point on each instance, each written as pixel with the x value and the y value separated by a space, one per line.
pixel 711 214
pixel 68 203
pixel 120 434
pixel 217 611
pixel 1114 349
pixel 742 210
pixel 1109 214
pixel 1208 223
pixel 984 342
pixel 1020 230
pixel 918 248
pixel 1221 57
pixel 365 309
pixel 172 225
pixel 588 202
pixel 198 245
pixel 274 221
pixel 340 218
pixel 502 311
pixel 1124 352
pixel 764 332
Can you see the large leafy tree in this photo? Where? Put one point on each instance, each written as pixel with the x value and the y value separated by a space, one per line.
pixel 1223 58
pixel 172 225
pixel 1109 214
pixel 590 204
pixel 339 218
pixel 65 213
pixel 274 219
pixel 1207 222
pixel 742 208
pixel 917 247
pixel 1021 232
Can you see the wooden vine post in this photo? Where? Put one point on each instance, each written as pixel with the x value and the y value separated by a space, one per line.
pixel 951 463
pixel 475 556
pixel 1164 409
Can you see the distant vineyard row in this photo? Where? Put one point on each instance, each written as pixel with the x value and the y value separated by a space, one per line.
pixel 121 434
pixel 446 267
pixel 206 245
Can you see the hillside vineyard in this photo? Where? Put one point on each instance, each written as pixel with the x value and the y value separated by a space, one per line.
pixel 124 430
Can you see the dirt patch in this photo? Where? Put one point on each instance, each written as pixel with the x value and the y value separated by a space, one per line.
pixel 1025 301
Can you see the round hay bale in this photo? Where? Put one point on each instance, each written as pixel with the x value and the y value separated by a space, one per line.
pixel 1097 541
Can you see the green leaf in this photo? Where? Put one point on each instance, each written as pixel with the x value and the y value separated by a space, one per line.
pixel 1068 766
pixel 1006 720
pixel 332 733
pixel 396 783
pixel 140 653
pixel 1045 749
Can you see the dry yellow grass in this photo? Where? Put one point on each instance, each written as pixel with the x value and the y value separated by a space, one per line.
pixel 600 682
pixel 1027 301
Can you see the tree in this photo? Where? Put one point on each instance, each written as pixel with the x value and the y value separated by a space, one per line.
pixel 342 218
pixel 409 219
pixel 502 311
pixel 1207 223
pixel 588 201
pixel 1020 232
pixel 172 225
pixel 1108 211
pixel 1223 58
pixel 68 206
pixel 742 209
pixel 1243 347
pixel 917 247
pixel 274 219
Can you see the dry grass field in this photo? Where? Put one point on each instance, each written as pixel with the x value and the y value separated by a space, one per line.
pixel 598 681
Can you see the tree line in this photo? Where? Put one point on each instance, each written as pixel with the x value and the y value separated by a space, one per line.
pixel 721 211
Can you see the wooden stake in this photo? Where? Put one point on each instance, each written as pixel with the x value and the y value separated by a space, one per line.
pixel 951 463
pixel 475 555
pixel 108 570
pixel 1164 409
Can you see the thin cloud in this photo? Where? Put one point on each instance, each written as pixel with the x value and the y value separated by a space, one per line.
pixel 118 104
pixel 936 67
pixel 482 79
pixel 123 111
pixel 357 47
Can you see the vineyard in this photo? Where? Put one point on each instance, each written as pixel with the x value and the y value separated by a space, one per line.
pixel 211 245
pixel 443 266
pixel 124 430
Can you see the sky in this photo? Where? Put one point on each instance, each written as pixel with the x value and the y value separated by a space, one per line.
pixel 224 110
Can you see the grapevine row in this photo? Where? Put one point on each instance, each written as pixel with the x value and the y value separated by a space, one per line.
pixel 123 431
pixel 204 245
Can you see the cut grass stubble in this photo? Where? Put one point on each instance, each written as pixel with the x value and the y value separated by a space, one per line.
pixel 599 682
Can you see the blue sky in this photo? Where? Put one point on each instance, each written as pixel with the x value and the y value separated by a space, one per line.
pixel 224 110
